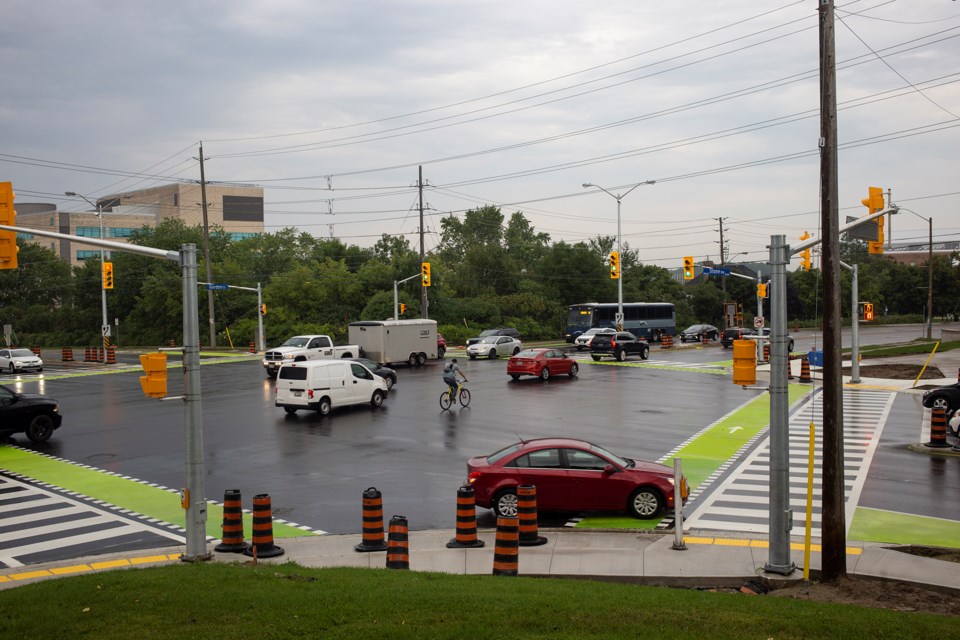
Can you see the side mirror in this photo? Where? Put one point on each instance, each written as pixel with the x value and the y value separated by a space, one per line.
pixel 609 470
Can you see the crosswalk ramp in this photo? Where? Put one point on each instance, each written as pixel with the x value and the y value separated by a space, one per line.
pixel 40 525
pixel 741 501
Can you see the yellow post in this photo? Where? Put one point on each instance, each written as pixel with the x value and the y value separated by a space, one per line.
pixel 806 535
pixel 919 375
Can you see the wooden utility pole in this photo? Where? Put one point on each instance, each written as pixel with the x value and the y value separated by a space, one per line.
pixel 206 250
pixel 834 534
pixel 423 255
pixel 723 260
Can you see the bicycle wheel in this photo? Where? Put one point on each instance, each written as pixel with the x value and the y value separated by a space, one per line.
pixel 445 400
pixel 464 397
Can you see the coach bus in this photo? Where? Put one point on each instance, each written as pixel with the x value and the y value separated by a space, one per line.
pixel 650 320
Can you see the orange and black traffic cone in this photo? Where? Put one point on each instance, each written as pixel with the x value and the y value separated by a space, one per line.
pixel 232 540
pixel 506 552
pixel 263 546
pixel 372 522
pixel 398 546
pixel 466 520
pixel 527 515
pixel 938 429
pixel 805 370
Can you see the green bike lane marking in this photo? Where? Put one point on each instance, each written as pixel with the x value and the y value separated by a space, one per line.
pixel 148 500
pixel 708 450
pixel 877 525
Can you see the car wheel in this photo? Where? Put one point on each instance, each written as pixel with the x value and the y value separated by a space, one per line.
pixel 390 380
pixel 574 370
pixel 440 352
pixel 492 354
pixel 622 355
pixel 579 347
pixel 377 398
pixel 505 504
pixel 290 410
pixel 645 503
pixel 683 338
pixel 545 373
pixel 11 370
pixel 421 359
pixel 941 403
pixel 40 429
pixel 516 350
pixel 473 357
pixel 515 376
pixel 324 407
pixel 596 358
pixel 790 346
pixel 645 353
pixel 272 375
pixel 412 360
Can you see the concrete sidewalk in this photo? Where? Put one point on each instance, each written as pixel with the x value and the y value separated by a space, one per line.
pixel 624 556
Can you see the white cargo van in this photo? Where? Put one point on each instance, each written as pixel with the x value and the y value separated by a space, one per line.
pixel 412 341
pixel 320 385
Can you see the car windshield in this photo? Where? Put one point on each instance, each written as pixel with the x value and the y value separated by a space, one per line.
pixel 488 332
pixel 493 457
pixel 527 353
pixel 296 341
pixel 694 328
pixel 369 364
pixel 21 353
pixel 489 339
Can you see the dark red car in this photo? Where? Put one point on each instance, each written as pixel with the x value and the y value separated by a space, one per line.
pixel 542 363
pixel 441 345
pixel 571 475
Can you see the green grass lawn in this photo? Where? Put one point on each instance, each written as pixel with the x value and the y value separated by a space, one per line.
pixel 239 601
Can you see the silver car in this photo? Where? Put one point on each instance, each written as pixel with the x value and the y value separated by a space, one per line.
pixel 15 360
pixel 582 341
pixel 494 347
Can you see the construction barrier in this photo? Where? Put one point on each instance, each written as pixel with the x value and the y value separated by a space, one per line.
pixel 88 354
pixel 232 539
pixel 666 341
pixel 263 546
pixel 704 338
pixel 172 343
pixel 790 358
pixel 372 522
pixel 253 347
pixel 66 354
pixel 112 355
pixel 466 535
pixel 938 429
pixel 398 548
pixel 506 551
pixel 805 370
pixel 106 342
pixel 527 516
pixel 36 351
pixel 100 356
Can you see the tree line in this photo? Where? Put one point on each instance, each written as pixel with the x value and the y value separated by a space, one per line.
pixel 487 271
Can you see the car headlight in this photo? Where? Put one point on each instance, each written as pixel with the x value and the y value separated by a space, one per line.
pixel 288 356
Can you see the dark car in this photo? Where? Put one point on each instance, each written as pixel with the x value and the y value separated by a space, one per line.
pixel 696 332
pixel 389 375
pixel 620 345
pixel 946 398
pixel 508 331
pixel 734 333
pixel 441 345
pixel 542 363
pixel 35 415
pixel 571 475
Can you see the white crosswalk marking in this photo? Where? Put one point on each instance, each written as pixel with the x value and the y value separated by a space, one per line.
pixel 741 501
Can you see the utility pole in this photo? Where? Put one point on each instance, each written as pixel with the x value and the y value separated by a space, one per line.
pixel 723 259
pixel 834 535
pixel 423 255
pixel 206 250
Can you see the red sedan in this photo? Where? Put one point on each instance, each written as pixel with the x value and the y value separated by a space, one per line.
pixel 572 475
pixel 542 363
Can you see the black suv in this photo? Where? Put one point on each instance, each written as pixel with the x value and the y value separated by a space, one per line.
pixel 509 331
pixel 619 345
pixel 734 333
pixel 35 415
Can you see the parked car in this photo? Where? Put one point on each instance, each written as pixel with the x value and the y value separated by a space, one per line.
pixel 508 331
pixel 16 360
pixel 946 398
pixel 582 341
pixel 765 332
pixel 441 345
pixel 734 333
pixel 35 415
pixel 571 475
pixel 620 345
pixel 695 333
pixel 389 375
pixel 542 363
pixel 494 347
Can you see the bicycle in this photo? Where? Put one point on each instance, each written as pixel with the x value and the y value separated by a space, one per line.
pixel 446 400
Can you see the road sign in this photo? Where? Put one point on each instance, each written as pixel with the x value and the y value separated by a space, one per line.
pixel 758 322
pixel 105 330
pixel 714 271
pixel 217 287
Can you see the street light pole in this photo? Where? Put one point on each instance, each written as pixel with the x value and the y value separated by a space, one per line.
pixel 104 328
pixel 618 198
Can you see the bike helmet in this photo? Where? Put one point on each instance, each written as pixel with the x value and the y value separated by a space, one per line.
pixel 454 360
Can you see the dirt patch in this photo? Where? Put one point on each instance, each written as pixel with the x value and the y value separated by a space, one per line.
pixel 895 371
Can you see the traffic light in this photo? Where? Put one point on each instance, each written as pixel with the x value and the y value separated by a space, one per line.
pixel 761 290
pixel 8 216
pixel 744 362
pixel 425 273
pixel 688 268
pixel 805 261
pixel 263 309
pixel 154 384
pixel 403 308
pixel 108 275
pixel 614 264
pixel 874 203
pixel 868 311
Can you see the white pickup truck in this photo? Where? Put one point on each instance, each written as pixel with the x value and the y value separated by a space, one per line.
pixel 302 348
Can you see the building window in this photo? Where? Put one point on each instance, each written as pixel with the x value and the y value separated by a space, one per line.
pixel 242 209
pixel 86 255
pixel 176 199
pixel 120 232
pixel 24 236
pixel 88 232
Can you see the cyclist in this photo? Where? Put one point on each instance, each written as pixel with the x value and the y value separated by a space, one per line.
pixel 450 371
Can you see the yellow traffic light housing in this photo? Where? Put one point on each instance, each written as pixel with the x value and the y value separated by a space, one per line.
pixel 868 311
pixel 805 261
pixel 108 275
pixel 8 216
pixel 403 308
pixel 614 264
pixel 874 203
pixel 761 290
pixel 154 384
pixel 744 362
pixel 425 273
pixel 688 268
pixel 263 309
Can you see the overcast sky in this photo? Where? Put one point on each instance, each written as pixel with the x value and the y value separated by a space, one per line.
pixel 515 104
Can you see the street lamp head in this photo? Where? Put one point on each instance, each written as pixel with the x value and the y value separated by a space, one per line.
pixel 70 193
pixel 586 185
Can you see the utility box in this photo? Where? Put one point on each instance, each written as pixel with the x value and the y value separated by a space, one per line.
pixel 744 362
pixel 385 341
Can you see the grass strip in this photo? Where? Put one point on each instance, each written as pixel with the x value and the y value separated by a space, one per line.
pixel 122 492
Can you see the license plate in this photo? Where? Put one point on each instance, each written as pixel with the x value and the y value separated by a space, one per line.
pixel 297 394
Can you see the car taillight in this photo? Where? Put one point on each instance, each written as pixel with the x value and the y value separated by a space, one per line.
pixel 310 393
pixel 473 477
pixel 613 343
